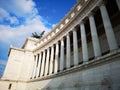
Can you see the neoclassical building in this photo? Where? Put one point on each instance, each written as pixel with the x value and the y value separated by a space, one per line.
pixel 81 53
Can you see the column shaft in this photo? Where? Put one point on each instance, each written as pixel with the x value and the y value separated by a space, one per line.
pixel 95 39
pixel 32 76
pixel 68 51
pixel 47 61
pixel 62 55
pixel 43 63
pixel 38 60
pixel 75 46
pixel 108 28
pixel 56 57
pixel 35 66
pixel 38 68
pixel 51 60
pixel 84 42
pixel 118 4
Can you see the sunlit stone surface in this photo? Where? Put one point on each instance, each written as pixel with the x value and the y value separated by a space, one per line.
pixel 81 53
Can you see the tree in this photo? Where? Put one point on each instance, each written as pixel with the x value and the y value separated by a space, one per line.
pixel 40 35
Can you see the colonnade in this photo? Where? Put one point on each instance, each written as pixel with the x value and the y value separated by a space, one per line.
pixel 51 60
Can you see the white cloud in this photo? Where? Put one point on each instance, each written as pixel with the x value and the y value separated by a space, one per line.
pixel 17 35
pixel 19 8
pixel 3 62
pixel 4 15
pixel 13 20
pixel 23 8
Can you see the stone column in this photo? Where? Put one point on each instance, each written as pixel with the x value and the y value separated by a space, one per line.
pixel 75 47
pixel 95 39
pixel 56 57
pixel 68 51
pixel 33 69
pixel 51 60
pixel 34 75
pixel 47 61
pixel 39 62
pixel 37 73
pixel 43 63
pixel 62 55
pixel 84 42
pixel 108 28
pixel 118 4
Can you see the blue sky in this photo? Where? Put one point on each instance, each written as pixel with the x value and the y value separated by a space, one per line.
pixel 20 18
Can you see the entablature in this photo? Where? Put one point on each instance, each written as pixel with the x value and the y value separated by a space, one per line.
pixel 71 20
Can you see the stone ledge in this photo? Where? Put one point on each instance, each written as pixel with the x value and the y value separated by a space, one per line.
pixel 6 80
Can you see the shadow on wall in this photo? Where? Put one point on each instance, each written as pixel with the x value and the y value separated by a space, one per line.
pixel 95 78
pixel 77 84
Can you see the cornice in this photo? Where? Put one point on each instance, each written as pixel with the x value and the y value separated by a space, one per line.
pixel 63 20
pixel 82 13
pixel 59 32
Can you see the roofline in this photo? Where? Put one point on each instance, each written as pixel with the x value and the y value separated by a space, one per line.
pixel 29 38
pixel 18 49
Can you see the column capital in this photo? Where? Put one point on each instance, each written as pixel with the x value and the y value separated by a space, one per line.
pixel 81 22
pixel 36 54
pixel 91 14
pixel 52 45
pixel 68 34
pixel 43 50
pixel 62 39
pixel 73 29
pixel 56 42
pixel 102 3
pixel 48 48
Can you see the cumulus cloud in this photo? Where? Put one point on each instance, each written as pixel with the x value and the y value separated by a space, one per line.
pixel 12 10
pixel 3 62
pixel 13 20
pixel 4 15
pixel 18 34
pixel 19 8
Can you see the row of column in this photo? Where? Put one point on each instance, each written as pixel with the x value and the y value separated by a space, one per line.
pixel 49 63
